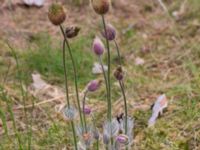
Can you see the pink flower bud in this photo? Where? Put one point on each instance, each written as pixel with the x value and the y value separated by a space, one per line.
pixel 98 46
pixel 94 85
pixel 87 110
pixel 111 32
pixel 122 139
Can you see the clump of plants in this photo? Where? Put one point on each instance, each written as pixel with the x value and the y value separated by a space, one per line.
pixel 117 133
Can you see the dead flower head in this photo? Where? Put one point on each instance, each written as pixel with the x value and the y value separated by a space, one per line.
pixel 72 31
pixel 56 14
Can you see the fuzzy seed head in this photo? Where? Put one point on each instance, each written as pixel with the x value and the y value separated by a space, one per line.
pixel 111 128
pixel 69 113
pixel 101 7
pixel 56 14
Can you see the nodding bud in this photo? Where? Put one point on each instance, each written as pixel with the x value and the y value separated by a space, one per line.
pixel 56 14
pixel 72 31
pixel 110 33
pixel 87 110
pixel 119 75
pixel 94 85
pixel 122 139
pixel 101 7
pixel 69 113
pixel 98 46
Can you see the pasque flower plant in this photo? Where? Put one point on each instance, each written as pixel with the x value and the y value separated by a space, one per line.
pixel 115 132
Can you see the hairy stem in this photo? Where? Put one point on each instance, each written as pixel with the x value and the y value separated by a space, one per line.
pixel 67 95
pixel 84 117
pixel 109 67
pixel 125 105
pixel 74 135
pixel 105 78
pixel 97 145
pixel 118 52
pixel 75 74
pixel 65 74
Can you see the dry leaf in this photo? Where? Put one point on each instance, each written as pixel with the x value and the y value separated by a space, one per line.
pixel 38 83
pixel 139 61
pixel 37 3
pixel 160 104
pixel 28 2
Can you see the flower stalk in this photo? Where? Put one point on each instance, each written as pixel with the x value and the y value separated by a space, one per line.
pixel 118 52
pixel 121 83
pixel 125 105
pixel 105 78
pixel 109 113
pixel 67 94
pixel 84 117
pixel 75 74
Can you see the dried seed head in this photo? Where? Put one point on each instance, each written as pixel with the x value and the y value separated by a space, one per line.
pixel 98 46
pixel 122 139
pixel 110 33
pixel 94 85
pixel 69 113
pixel 56 14
pixel 72 31
pixel 119 75
pixel 111 128
pixel 101 7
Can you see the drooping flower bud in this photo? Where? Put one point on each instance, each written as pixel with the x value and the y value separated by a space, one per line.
pixel 87 110
pixel 101 7
pixel 98 46
pixel 119 75
pixel 122 139
pixel 94 85
pixel 56 14
pixel 72 31
pixel 69 113
pixel 110 32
